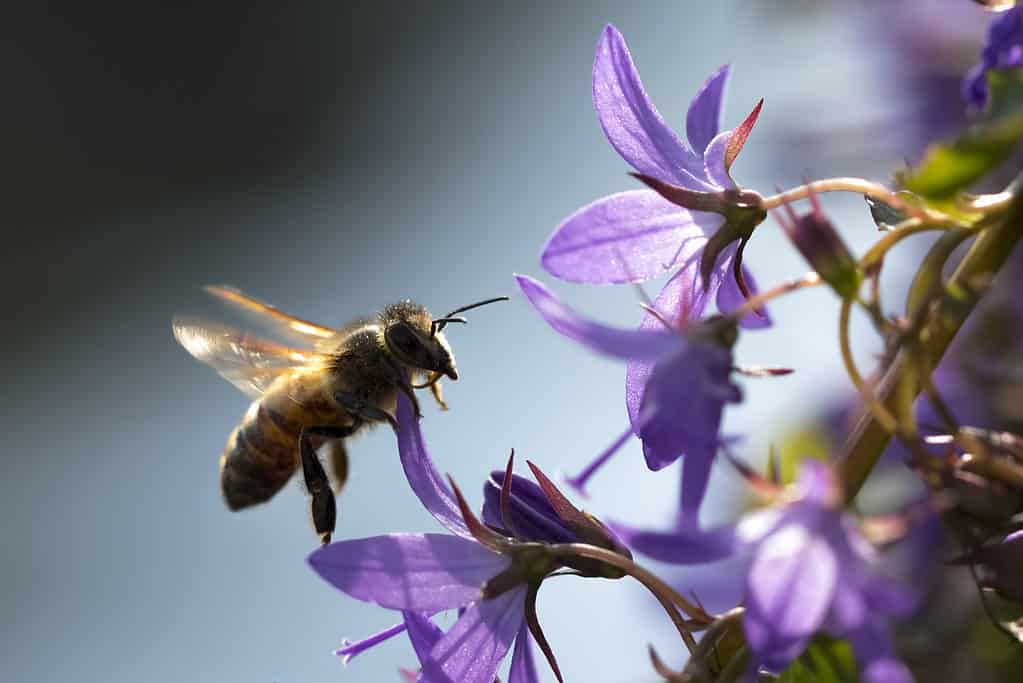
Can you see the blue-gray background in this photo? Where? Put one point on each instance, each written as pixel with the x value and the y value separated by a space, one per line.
pixel 332 159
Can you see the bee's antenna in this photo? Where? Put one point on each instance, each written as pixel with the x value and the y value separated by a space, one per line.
pixel 439 323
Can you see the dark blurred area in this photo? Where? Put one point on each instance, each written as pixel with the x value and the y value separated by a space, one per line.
pixel 114 108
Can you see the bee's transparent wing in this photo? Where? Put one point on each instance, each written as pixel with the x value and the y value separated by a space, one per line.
pixel 272 318
pixel 249 362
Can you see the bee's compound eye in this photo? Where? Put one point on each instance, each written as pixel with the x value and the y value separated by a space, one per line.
pixel 402 338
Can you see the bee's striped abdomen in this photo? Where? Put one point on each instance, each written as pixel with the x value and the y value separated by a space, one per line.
pixel 260 457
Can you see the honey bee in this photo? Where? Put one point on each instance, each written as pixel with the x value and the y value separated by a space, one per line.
pixel 333 383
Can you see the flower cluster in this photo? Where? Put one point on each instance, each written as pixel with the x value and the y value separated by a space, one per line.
pixel 811 568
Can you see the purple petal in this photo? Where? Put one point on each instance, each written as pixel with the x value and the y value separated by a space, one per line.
pixel 682 300
pixel 683 546
pixel 818 483
pixel 523 668
pixel 422 633
pixel 714 161
pixel 790 586
pixel 422 475
pixel 848 608
pixel 730 297
pixel 873 651
pixel 696 475
pixel 611 341
pixel 632 124
pixel 350 650
pixel 472 650
pixel 680 412
pixel 703 120
pixel 625 237
pixel 415 572
pixel 531 514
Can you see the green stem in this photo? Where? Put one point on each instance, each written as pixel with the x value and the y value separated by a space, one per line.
pixel 986 256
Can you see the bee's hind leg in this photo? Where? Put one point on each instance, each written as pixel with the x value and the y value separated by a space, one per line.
pixel 336 454
pixel 323 506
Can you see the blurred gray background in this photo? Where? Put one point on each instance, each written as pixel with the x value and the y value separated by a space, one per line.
pixel 332 158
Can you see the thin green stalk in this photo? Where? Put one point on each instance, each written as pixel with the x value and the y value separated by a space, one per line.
pixel 985 257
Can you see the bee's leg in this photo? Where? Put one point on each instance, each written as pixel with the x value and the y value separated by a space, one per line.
pixel 361 409
pixel 337 456
pixel 438 395
pixel 323 506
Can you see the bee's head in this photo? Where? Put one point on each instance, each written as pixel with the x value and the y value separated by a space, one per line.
pixel 414 339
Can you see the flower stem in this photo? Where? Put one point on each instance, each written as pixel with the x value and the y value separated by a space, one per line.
pixel 880 412
pixel 857 186
pixel 985 257
pixel 787 287
pixel 880 249
pixel 669 598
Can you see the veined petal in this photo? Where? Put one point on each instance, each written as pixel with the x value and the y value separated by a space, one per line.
pixel 422 475
pixel 625 237
pixel 611 341
pixel 523 667
pixel 422 633
pixel 790 585
pixel 681 546
pixel 472 650
pixel 414 572
pixel 632 124
pixel 703 120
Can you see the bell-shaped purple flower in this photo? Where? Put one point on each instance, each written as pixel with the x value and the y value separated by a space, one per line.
pixel 811 570
pixel 677 384
pixel 637 235
pixel 1004 49
pixel 489 570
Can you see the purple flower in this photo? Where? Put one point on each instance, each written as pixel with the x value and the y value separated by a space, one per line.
pixel 676 386
pixel 637 235
pixel 811 571
pixel 490 573
pixel 1004 49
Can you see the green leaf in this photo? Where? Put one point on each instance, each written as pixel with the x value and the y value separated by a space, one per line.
pixel 948 168
pixel 826 660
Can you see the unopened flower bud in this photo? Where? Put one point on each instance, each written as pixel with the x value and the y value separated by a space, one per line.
pixel 820 244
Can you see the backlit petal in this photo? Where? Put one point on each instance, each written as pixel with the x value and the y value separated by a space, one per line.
pixel 714 161
pixel 416 572
pixel 791 584
pixel 472 650
pixel 632 124
pixel 422 475
pixel 625 237
pixel 422 633
pixel 703 120
pixel 611 341
pixel 523 666
pixel 680 546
